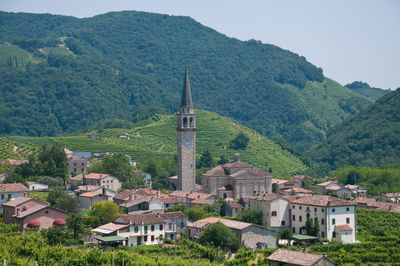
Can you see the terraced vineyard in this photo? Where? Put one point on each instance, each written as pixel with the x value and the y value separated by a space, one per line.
pixel 12 150
pixel 158 140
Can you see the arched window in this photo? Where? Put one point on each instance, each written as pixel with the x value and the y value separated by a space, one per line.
pixel 191 122
pixel 185 122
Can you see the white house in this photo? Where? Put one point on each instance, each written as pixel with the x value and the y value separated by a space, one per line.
pixel 336 217
pixel 35 186
pixel 274 208
pixel 12 191
pixel 136 229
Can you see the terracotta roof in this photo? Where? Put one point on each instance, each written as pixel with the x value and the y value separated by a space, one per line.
pixel 294 257
pixel 386 206
pixel 364 200
pixel 298 190
pixel 230 223
pixel 343 227
pixel 234 204
pixel 75 159
pixel 96 176
pixel 14 187
pixel 393 195
pixel 138 200
pixel 138 219
pixel 333 187
pixel 321 200
pixel 169 199
pixel 198 195
pixel 216 171
pixel 238 164
pixel 112 226
pixel 85 188
pixel 89 194
pixel 124 195
pixel 17 201
pixel 326 183
pixel 173 215
pixel 278 181
pixel 202 201
pixel 179 193
pixel 77 177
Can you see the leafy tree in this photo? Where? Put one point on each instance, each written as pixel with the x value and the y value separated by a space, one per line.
pixel 251 216
pixel 223 160
pixel 196 213
pixel 106 211
pixel 219 235
pixel 240 142
pixel 60 235
pixel 286 233
pixel 117 165
pixel 206 160
pixel 315 229
pixel 275 188
pixel 353 177
pixel 76 223
pixel 309 226
pixel 68 204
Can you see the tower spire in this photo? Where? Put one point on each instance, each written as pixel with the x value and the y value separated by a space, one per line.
pixel 186 94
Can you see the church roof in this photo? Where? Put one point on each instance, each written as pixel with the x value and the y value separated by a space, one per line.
pixel 238 164
pixel 186 94
pixel 216 171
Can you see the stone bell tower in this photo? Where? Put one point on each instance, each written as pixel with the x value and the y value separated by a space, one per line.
pixel 186 139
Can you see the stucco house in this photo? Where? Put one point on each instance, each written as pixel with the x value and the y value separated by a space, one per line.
pixel 249 235
pixel 284 257
pixel 175 224
pixel 28 212
pixel 35 186
pixel 275 210
pixel 12 191
pixel 102 180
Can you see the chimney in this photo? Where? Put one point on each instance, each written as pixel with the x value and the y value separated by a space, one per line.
pixel 18 211
pixel 87 187
pixel 130 197
pixel 237 157
pixel 134 197
pixel 158 193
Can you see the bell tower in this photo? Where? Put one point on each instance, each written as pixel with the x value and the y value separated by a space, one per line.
pixel 186 139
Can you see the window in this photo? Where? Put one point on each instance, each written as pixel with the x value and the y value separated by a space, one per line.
pixel 315 209
pixel 300 207
pixel 334 234
pixel 333 210
pixel 347 209
pixel 273 213
pixel 322 210
pixel 74 164
pixel 74 169
pixel 83 164
pixel 283 223
pixel 152 228
pixel 300 218
pixel 333 221
pixel 308 209
pixel 293 207
pixel 83 169
pixel 322 234
pixel 145 239
pixel 347 220
pixel 161 227
pixel 152 238
pixel 145 229
pixel 294 217
pixel 2 196
pixel 294 230
pixel 136 229
pixel 308 215
pixel 182 224
pixel 9 196
pixel 322 221
pixel 224 195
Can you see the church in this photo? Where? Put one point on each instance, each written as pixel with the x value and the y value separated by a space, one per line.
pixel 231 180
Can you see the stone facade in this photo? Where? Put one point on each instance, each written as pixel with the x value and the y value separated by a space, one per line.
pixel 186 140
pixel 236 180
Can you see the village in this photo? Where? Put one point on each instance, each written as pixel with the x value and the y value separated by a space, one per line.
pixel 228 191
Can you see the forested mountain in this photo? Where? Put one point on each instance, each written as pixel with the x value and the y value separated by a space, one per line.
pixel 366 90
pixel 62 74
pixel 369 138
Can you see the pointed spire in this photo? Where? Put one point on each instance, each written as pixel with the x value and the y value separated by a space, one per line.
pixel 186 95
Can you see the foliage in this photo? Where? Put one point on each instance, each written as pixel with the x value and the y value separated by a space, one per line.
pixel 280 98
pixel 370 138
pixel 240 142
pixel 364 89
pixel 206 160
pixel 60 235
pixel 196 213
pixel 219 235
pixel 251 216
pixel 105 211
pixel 377 180
pixel 286 233
pixel 58 199
pixel 275 188
pixel 312 226
pixel 51 181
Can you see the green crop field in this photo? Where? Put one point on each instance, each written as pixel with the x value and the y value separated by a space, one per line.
pixel 14 56
pixel 56 51
pixel 12 150
pixel 158 140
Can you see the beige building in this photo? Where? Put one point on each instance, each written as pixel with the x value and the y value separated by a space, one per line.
pixel 76 165
pixel 336 217
pixel 236 179
pixel 102 180
pixel 274 208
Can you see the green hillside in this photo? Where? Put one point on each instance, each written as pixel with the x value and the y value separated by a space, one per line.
pixel 158 140
pixel 109 65
pixel 367 91
pixel 14 150
pixel 369 138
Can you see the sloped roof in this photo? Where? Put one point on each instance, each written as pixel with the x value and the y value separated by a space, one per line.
pixel 186 94
pixel 96 176
pixel 179 193
pixel 138 219
pixel 174 215
pixel 216 171
pixel 294 257
pixel 202 201
pixel 322 200
pixel 198 195
pixel 298 190
pixel 343 227
pixel 229 223
pixel 14 187
pixel 17 201
pixel 89 194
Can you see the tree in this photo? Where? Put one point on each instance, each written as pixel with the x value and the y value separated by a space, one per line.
pixel 196 213
pixel 106 211
pixel 286 233
pixel 312 226
pixel 219 235
pixel 223 160
pixel 240 142
pixel 316 228
pixel 251 216
pixel 76 223
pixel 117 165
pixel 275 188
pixel 353 177
pixel 206 160
pixel 292 193
pixel 68 204
pixel 309 226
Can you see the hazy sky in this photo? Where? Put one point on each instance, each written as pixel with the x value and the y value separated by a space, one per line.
pixel 350 39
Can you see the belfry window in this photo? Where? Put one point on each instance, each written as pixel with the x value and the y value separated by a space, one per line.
pixel 185 122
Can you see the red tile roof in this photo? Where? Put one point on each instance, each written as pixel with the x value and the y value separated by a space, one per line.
pixel 89 194
pixel 294 257
pixel 138 219
pixel 230 223
pixel 343 227
pixel 96 176
pixel 321 200
pixel 14 187
pixel 174 215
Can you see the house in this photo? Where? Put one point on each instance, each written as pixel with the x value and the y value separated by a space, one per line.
pixel 236 179
pixel 232 207
pixel 321 188
pixel 300 179
pixel 102 180
pixel 134 229
pixel 336 217
pixel 249 235
pixel 124 136
pixel 275 210
pixel 282 183
pixel 28 212
pixel 297 191
pixel 190 199
pixel 358 190
pixel 385 206
pixel 364 202
pixel 329 187
pixel 87 199
pixel 175 224
pixel 146 177
pixel 393 197
pixel 2 177
pixel 76 181
pixel 82 154
pixel 76 165
pixel 12 191
pixel 284 257
pixel 35 186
